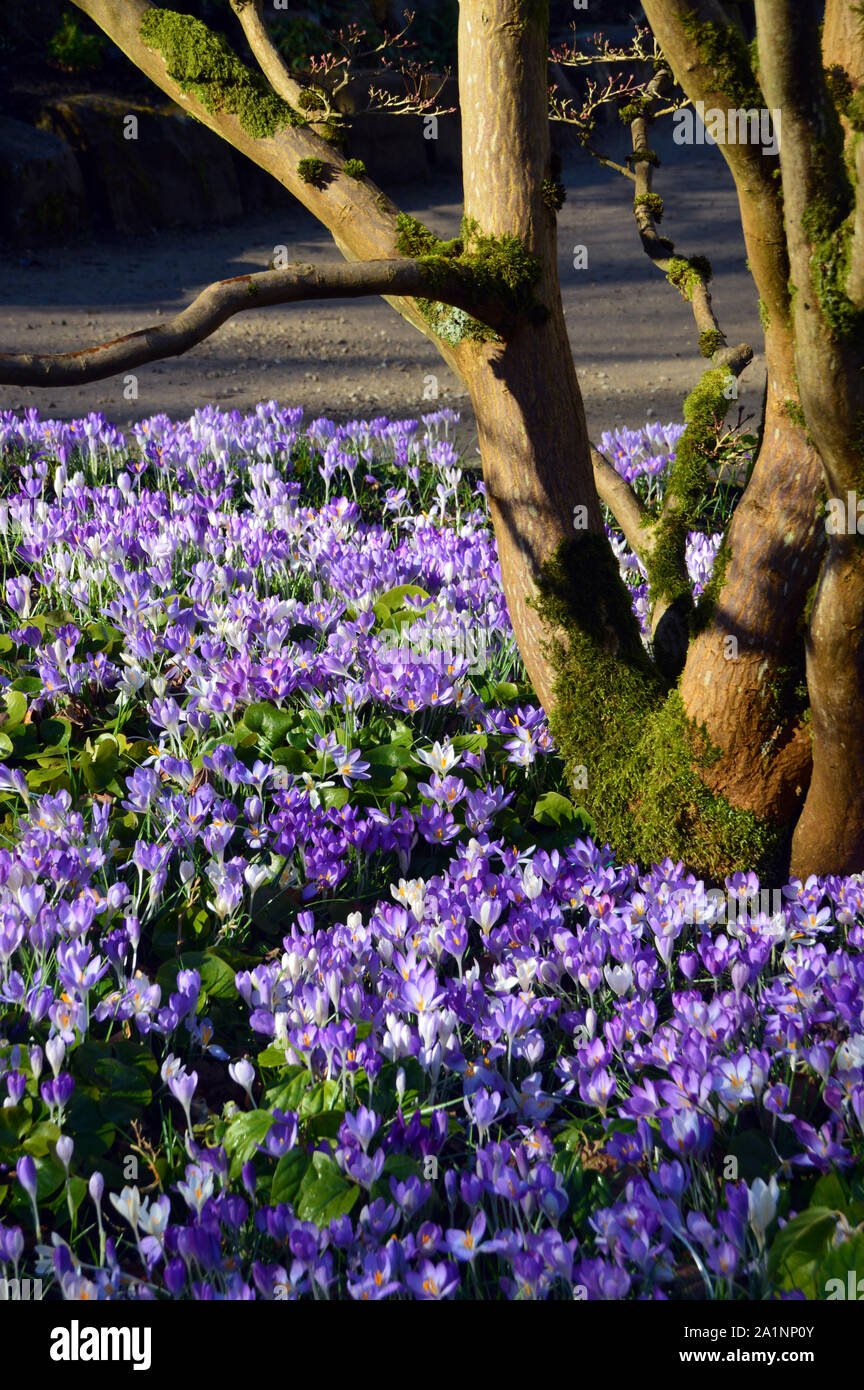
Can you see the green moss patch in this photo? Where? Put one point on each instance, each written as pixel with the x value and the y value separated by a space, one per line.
pixel 204 66
pixel 688 483
pixel 493 268
pixel 614 717
pixel 724 49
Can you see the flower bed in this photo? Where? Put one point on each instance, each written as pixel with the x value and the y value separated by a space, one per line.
pixel 315 982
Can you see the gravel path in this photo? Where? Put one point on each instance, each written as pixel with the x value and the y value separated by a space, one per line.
pixel 633 336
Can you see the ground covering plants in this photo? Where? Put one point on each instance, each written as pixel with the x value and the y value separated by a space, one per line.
pixel 314 980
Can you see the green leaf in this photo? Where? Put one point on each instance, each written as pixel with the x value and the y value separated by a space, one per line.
pixel 829 1192
pixel 16 705
pixel 504 693
pixel 392 603
pixel 319 1097
pixel 335 797
pixel 846 1259
pixel 244 1134
pixel 554 809
pixel 295 759
pixel 290 1172
pixel 272 723
pixel 54 734
pixel 388 755
pixel 402 1166
pixel 395 598
pixel 325 1192
pixel 42 1139
pixel 14 1122
pixel 289 1093
pixel 217 976
pixel 326 1125
pixel 123 1091
pixel 272 1057
pixel 799 1249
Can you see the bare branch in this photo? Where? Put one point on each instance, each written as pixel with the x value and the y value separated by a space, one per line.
pixel 268 57
pixel 660 249
pixel 639 51
pixel 220 301
pixel 360 218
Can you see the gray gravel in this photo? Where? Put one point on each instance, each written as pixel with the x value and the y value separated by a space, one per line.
pixel 632 335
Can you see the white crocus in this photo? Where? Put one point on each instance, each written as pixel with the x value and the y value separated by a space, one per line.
pixel 619 978
pixel 762 1202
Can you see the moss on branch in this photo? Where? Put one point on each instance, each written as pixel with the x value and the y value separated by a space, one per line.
pixel 204 66
pixel 493 269
pixel 686 272
pixel 652 202
pixel 688 483
pixel 711 341
pixel 724 49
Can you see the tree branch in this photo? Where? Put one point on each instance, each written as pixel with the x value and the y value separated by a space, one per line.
pixel 270 60
pixel 267 55
pixel 624 504
pixel 819 202
pixel 685 30
pixel 221 300
pixel 660 249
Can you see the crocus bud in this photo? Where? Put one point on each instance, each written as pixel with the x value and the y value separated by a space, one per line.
pixel 55 1051
pixel 25 1168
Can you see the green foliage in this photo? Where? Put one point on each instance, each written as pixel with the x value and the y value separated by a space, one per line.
pixel 652 201
pixel 644 157
pixel 839 88
pixel 810 1251
pixel 828 223
pixel 632 110
pixel 311 170
pixel 614 716
pixel 309 100
pixel 413 239
pixel 355 168
pixel 73 50
pixel 795 412
pixel 204 66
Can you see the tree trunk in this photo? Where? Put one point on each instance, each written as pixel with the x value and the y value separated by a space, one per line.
pixel 530 417
pixel 819 209
pixel 743 668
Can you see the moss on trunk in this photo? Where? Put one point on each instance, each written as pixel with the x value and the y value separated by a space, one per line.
pixel 616 718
